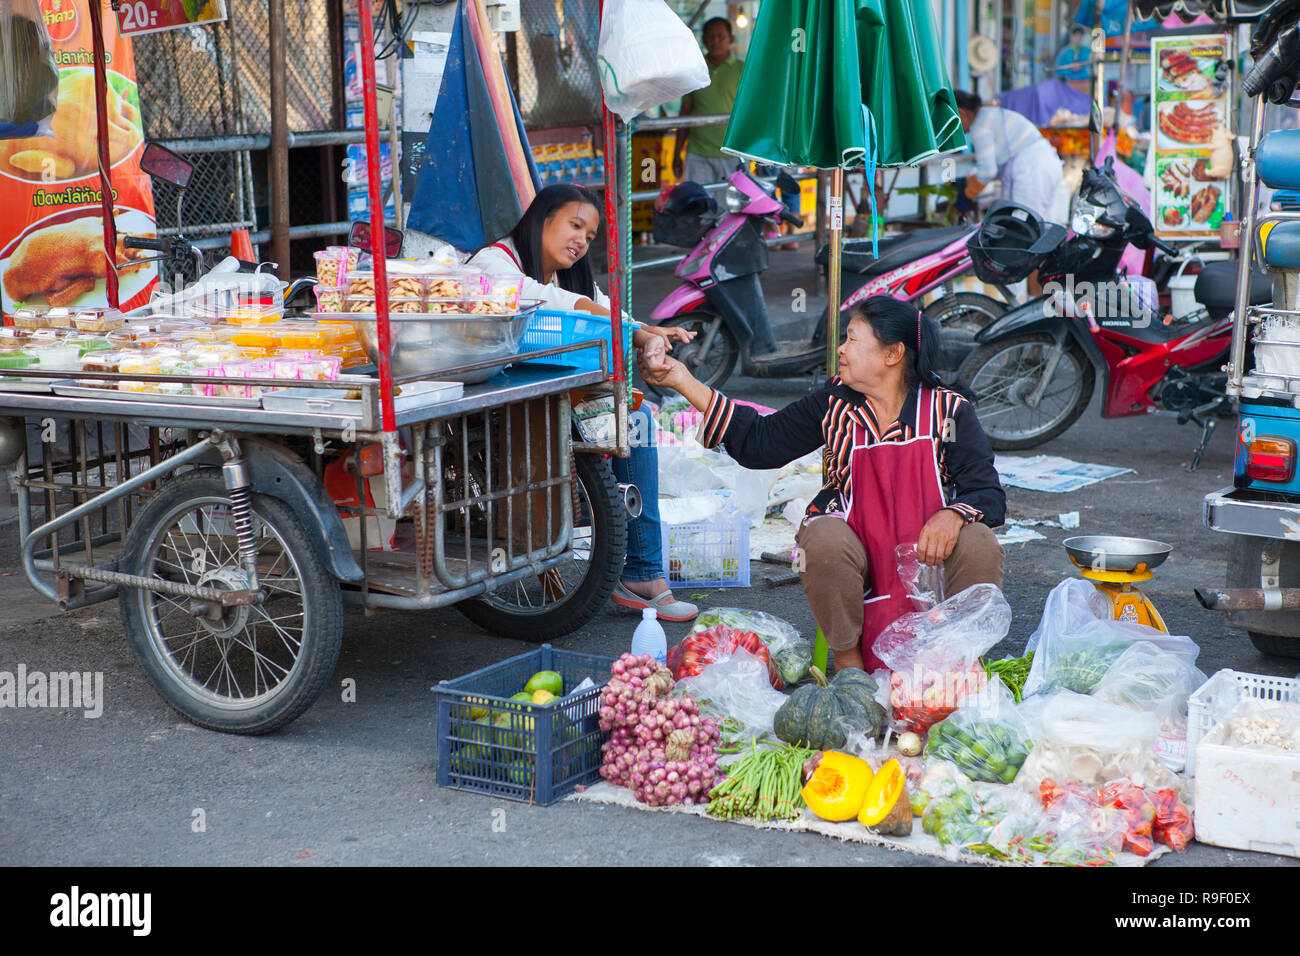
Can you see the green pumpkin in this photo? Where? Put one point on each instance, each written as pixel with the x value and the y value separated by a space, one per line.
pixel 812 715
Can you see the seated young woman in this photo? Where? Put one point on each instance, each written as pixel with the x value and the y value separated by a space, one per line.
pixel 549 246
pixel 896 437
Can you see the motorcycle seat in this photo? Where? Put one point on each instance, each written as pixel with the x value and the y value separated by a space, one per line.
pixel 1216 288
pixel 1281 245
pixel 1277 159
pixel 895 251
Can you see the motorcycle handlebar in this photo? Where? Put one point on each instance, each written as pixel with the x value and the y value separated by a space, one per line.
pixel 1166 248
pixel 141 242
pixel 791 218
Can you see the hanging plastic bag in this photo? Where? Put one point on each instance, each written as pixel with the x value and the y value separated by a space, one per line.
pixel 791 654
pixel 925 583
pixel 1077 660
pixel 699 649
pixel 934 654
pixel 986 738
pixel 736 692
pixel 1088 742
pixel 647 56
pixel 29 77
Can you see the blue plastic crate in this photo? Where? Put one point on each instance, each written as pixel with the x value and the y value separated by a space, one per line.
pixel 536 754
pixel 708 554
pixel 549 329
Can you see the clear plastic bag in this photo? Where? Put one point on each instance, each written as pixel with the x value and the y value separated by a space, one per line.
pixel 1147 678
pixel 736 689
pixel 934 654
pixel 1072 604
pixel 647 56
pixel 29 79
pixel 1089 742
pixel 986 738
pixel 791 654
pixel 1078 659
pixel 925 583
pixel 1265 724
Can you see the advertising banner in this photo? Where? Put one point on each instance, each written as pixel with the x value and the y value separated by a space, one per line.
pixel 1193 150
pixel 150 16
pixel 51 219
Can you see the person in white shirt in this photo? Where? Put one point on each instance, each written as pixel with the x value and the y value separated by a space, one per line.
pixel 1010 148
pixel 549 246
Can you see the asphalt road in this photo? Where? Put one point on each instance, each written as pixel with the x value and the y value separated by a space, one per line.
pixel 353 783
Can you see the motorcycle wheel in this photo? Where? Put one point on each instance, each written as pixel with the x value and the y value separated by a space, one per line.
pixel 556 603
pixel 1004 374
pixel 716 365
pixel 966 311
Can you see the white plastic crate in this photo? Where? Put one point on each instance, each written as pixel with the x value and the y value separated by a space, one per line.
pixel 709 554
pixel 1247 798
pixel 1200 705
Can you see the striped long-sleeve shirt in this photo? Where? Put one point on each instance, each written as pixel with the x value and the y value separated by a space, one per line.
pixel 828 416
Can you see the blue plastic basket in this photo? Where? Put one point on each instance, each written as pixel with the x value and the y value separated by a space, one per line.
pixel 549 329
pixel 534 753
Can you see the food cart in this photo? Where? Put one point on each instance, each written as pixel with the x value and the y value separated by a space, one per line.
pixel 209 518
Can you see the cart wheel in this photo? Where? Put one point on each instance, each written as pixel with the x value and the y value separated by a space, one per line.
pixel 537 609
pixel 253 669
pixel 1275 633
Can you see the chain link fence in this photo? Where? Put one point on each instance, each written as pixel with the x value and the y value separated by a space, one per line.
pixel 553 63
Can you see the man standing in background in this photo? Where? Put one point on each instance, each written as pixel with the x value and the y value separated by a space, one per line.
pixel 1074 62
pixel 705 160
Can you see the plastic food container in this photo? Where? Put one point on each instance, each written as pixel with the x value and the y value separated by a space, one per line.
pixel 99 321
pixel 448 287
pixel 330 298
pixel 57 355
pixel 361 284
pixel 59 318
pixel 17 358
pixel 101 361
pixel 29 319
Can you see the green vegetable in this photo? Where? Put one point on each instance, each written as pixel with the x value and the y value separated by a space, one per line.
pixel 983 750
pixel 816 714
pixel 763 783
pixel 1013 671
pixel 1080 670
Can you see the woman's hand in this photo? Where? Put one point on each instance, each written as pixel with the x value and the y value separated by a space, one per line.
pixel 938 537
pixel 668 334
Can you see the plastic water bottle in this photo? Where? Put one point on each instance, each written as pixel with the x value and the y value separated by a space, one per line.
pixel 649 637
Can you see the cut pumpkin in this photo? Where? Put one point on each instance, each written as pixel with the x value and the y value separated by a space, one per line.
pixel 837 787
pixel 886 808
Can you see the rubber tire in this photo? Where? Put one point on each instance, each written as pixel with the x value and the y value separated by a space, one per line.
pixel 608 550
pixel 987 305
pixel 700 321
pixel 1275 646
pixel 321 641
pixel 980 357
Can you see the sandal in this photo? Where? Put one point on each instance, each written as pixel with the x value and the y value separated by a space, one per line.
pixel 666 609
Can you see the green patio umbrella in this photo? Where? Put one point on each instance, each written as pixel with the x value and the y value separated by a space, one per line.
pixel 836 83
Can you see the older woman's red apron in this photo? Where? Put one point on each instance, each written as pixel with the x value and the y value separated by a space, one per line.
pixel 894 490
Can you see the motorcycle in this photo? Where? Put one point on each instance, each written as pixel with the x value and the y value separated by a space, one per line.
pixel 721 298
pixel 1034 370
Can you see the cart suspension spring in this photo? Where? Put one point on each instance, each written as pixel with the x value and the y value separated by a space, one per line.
pixel 242 512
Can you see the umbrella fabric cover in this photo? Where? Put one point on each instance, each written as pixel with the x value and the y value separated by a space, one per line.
pixel 465 192
pixel 814 69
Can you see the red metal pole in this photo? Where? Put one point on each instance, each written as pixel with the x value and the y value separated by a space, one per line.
pixel 613 258
pixel 376 187
pixel 101 142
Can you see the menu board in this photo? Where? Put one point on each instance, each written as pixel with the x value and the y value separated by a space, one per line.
pixel 51 220
pixel 1192 90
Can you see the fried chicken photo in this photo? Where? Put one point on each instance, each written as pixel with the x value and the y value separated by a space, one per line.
pixel 62 263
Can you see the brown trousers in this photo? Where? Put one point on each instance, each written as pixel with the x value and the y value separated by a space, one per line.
pixel 834 572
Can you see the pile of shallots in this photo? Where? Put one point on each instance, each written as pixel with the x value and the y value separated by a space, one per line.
pixel 659 746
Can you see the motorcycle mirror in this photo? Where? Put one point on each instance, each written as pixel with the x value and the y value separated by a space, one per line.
pixel 1138 226
pixel 161 162
pixel 359 238
pixel 787 183
pixel 1094 119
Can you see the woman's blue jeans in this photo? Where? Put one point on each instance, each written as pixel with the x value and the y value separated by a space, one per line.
pixel 645 556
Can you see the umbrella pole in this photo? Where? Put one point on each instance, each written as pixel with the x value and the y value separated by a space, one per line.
pixel 834 235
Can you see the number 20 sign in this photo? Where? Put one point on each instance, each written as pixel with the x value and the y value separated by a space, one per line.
pixel 150 16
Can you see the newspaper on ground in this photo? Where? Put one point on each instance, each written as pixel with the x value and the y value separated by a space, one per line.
pixel 1052 474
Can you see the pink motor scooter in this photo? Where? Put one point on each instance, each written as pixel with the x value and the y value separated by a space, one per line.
pixel 721 298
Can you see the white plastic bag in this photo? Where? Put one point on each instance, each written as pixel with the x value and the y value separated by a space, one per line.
pixel 1071 604
pixel 647 56
pixel 735 688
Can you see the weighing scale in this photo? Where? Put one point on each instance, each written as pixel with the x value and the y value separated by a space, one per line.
pixel 1115 566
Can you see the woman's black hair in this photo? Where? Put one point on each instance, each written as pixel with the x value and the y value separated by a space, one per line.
pixel 967 100
pixel 893 320
pixel 527 237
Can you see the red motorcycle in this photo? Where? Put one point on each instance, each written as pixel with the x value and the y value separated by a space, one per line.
pixel 1034 370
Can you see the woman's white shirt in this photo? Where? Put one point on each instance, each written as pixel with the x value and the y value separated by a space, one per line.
pixel 494 258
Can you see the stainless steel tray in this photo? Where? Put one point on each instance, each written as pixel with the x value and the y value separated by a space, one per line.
pixel 75 389
pixel 331 401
